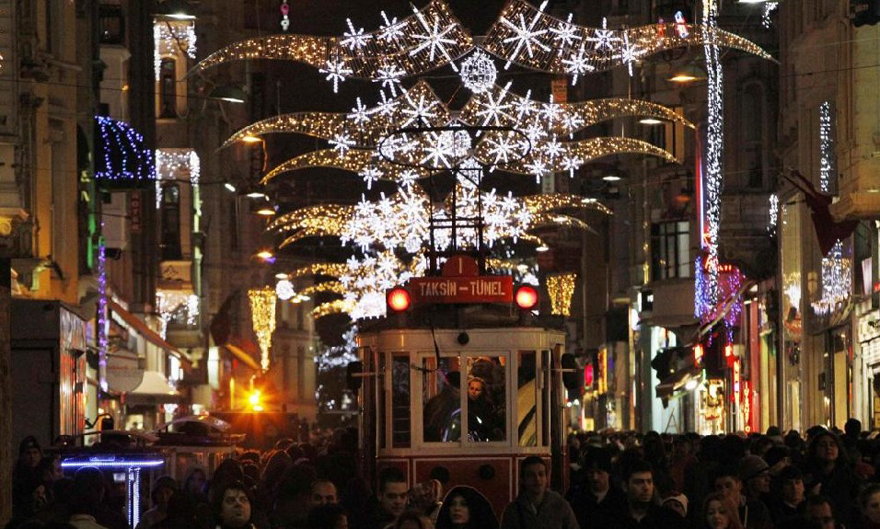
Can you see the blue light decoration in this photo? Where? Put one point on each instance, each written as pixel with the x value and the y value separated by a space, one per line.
pixel 103 322
pixel 122 159
pixel 132 466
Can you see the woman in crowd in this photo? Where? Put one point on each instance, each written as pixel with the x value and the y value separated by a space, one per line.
pixel 719 513
pixel 466 508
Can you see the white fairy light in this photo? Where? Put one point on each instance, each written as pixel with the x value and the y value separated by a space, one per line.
pixel 337 71
pixel 774 213
pixel 389 75
pixel 370 175
pixel 495 108
pixel 525 35
pixel 577 64
pixel 359 113
pixel 421 110
pixel 354 38
pixel 391 30
pixel 435 39
pixel 341 143
pixel 478 72
pixel 565 34
pixel 836 267
pixel 284 289
pixel 170 38
pixel 174 165
pixel 604 38
pixel 769 8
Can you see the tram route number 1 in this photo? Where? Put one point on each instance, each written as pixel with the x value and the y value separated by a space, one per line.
pixel 467 289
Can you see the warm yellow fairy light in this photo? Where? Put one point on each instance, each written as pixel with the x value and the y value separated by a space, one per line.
pixel 552 201
pixel 319 269
pixel 505 40
pixel 337 306
pixel 331 287
pixel 560 287
pixel 263 318
pixel 406 51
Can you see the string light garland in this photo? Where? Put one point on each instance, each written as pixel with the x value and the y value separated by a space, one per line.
pixel 123 158
pixel 430 38
pixel 836 266
pixel 769 8
pixel 773 214
pixel 560 287
pixel 169 302
pixel 262 302
pixel 174 165
pixel 707 274
pixel 170 37
pixel 527 36
pixel 339 356
pixel 103 316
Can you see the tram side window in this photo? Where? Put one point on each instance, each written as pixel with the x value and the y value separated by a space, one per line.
pixel 400 422
pixel 527 399
pixel 486 404
pixel 441 393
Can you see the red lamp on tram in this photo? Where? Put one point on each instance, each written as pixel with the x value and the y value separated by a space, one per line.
pixel 398 299
pixel 526 297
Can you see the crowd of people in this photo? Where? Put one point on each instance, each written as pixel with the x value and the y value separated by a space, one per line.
pixel 823 479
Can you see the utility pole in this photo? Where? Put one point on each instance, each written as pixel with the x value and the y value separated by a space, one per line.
pixel 6 459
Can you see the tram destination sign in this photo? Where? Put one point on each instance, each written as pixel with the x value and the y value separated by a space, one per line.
pixel 462 289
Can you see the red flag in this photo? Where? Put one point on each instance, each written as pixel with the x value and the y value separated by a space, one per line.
pixel 827 230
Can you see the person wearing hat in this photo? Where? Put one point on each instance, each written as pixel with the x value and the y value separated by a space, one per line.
pixel 596 503
pixel 163 489
pixel 676 502
pixel 788 504
pixel 754 472
pixel 25 478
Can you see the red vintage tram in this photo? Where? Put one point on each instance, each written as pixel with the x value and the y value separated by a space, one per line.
pixel 463 383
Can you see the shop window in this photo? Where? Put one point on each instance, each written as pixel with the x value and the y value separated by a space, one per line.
pixel 167 88
pixel 400 394
pixel 670 250
pixel 528 428
pixel 486 403
pixel 111 24
pixel 171 223
pixel 441 393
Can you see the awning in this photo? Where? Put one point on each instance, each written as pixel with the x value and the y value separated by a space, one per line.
pixel 242 355
pixel 149 334
pixel 676 381
pixel 154 389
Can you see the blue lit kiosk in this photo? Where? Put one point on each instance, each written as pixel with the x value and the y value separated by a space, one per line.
pixel 128 460
pixel 461 381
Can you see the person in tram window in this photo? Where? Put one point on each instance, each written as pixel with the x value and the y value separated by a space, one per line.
pixel 442 411
pixel 466 508
pixel 642 511
pixel 536 507
pixel 232 507
pixel 719 513
pixel 483 424
pixel 596 502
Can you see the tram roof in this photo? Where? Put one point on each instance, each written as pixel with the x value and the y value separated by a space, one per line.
pixel 458 317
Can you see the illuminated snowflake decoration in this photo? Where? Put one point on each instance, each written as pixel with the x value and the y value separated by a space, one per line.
pixel 354 38
pixel 604 39
pixel 389 75
pixel 435 39
pixel 525 35
pixel 577 64
pixel 336 71
pixel 478 72
pixel 342 143
pixel 565 35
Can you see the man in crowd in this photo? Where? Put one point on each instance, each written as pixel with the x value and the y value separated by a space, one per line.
pixel 323 492
pixel 641 510
pixel 819 514
pixel 752 513
pixel 596 503
pixel 790 500
pixel 391 499
pixel 537 507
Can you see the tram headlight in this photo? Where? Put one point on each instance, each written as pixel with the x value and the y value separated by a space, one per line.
pixel 398 299
pixel 526 297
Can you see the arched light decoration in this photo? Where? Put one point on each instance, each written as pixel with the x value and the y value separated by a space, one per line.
pixel 263 319
pixel 478 72
pixel 284 289
pixel 560 288
pixel 123 160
